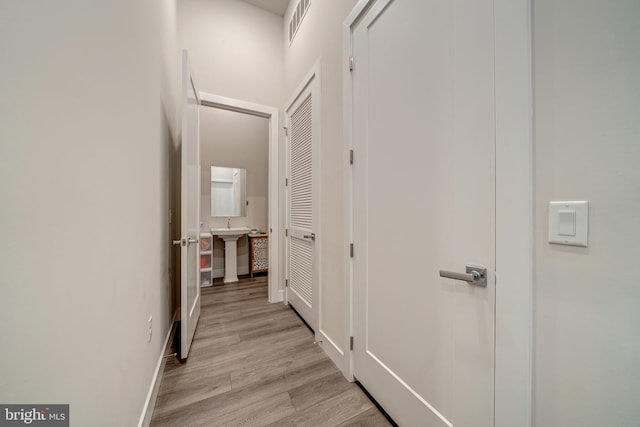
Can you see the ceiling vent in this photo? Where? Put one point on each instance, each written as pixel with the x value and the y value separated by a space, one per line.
pixel 296 19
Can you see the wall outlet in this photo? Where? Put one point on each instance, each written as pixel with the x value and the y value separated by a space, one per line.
pixel 150 327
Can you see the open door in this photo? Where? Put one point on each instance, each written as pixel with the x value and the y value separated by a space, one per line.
pixel 190 209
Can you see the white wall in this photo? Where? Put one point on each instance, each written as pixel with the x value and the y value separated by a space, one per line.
pixel 587 147
pixel 320 36
pixel 86 158
pixel 236 49
pixel 232 139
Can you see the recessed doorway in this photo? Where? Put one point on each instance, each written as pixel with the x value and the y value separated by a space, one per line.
pixel 261 163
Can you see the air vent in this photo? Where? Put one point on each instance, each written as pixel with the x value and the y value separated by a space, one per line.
pixel 297 17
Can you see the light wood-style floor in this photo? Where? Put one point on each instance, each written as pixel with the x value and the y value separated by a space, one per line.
pixel 254 364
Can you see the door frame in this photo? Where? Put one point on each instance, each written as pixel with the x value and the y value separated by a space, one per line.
pixel 311 80
pixel 514 204
pixel 276 291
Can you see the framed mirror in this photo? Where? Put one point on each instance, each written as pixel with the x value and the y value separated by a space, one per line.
pixel 228 192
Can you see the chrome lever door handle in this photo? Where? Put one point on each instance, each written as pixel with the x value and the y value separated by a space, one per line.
pixel 311 236
pixel 179 242
pixel 190 241
pixel 476 275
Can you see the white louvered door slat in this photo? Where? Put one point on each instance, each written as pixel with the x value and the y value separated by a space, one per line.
pixel 301 263
pixel 301 167
pixel 301 249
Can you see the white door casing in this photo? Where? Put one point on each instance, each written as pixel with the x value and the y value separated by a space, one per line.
pixel 424 201
pixel 513 193
pixel 210 100
pixel 302 201
pixel 190 210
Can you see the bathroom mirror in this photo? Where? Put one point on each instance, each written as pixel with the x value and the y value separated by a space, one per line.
pixel 228 192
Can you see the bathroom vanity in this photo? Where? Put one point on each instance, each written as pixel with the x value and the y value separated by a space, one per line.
pixel 258 253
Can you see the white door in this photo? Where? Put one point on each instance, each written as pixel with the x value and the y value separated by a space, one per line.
pixel 302 290
pixel 190 210
pixel 423 201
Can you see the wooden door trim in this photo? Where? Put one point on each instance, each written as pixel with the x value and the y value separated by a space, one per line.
pixel 514 205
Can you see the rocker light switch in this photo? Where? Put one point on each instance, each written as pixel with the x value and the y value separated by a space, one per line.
pixel 569 223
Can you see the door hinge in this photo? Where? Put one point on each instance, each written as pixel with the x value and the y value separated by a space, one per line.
pixel 351 250
pixel 286 232
pixel 286 182
pixel 286 130
pixel 351 63
pixel 350 157
pixel 351 343
pixel 286 283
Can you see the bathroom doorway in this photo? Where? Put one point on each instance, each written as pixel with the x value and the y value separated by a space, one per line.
pixel 242 135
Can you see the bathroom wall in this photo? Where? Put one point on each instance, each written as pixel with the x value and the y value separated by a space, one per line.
pixel 587 147
pixel 238 140
pixel 87 155
pixel 320 37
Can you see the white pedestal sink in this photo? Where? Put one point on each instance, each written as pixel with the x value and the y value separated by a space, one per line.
pixel 230 237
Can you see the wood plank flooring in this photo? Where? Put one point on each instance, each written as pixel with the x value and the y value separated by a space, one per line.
pixel 254 364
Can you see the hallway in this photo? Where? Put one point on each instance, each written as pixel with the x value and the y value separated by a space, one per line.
pixel 254 364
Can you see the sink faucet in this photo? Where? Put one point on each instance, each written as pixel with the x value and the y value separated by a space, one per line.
pixel 229 223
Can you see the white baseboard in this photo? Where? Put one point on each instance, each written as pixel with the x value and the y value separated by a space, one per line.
pixel 337 355
pixel 154 388
pixel 278 297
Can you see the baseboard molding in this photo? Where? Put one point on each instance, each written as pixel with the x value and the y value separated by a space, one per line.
pixel 278 297
pixel 335 353
pixel 152 395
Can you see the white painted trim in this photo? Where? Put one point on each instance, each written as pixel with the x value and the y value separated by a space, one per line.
pixel 273 114
pixel 154 387
pixel 514 214
pixel 347 119
pixel 347 193
pixel 335 353
pixel 514 206
pixel 354 16
pixel 313 72
pixel 287 147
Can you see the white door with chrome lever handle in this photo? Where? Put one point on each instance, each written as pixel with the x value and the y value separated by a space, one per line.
pixel 475 275
pixel 424 147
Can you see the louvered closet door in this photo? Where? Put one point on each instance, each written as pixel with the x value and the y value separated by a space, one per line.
pixel 301 243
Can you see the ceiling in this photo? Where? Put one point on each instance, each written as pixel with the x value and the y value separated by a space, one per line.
pixel 278 7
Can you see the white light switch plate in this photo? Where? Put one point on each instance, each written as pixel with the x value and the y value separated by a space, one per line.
pixel 569 223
